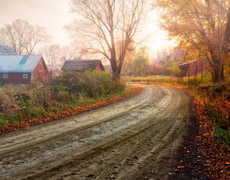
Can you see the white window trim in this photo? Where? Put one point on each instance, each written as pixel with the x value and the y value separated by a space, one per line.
pixel 5 76
pixel 25 76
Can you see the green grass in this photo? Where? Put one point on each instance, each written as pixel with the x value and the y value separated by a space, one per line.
pixel 158 80
pixel 149 77
pixel 222 135
pixel 32 111
pixel 126 78
pixel 3 122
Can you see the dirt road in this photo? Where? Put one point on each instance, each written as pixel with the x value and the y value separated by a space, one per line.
pixel 123 141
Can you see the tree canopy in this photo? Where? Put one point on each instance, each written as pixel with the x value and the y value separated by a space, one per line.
pixel 22 36
pixel 202 26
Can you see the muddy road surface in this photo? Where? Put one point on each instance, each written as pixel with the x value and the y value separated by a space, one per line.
pixel 126 140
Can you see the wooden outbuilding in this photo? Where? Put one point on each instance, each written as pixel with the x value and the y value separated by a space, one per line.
pixel 83 65
pixel 19 69
pixel 193 68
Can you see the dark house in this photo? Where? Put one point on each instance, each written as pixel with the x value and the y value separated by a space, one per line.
pixel 17 69
pixel 193 68
pixel 83 65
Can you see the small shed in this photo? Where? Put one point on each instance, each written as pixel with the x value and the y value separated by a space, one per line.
pixel 83 65
pixel 19 69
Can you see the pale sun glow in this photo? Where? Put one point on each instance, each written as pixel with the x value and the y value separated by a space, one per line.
pixel 54 15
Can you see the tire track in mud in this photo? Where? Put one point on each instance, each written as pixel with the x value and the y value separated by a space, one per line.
pixel 25 139
pixel 123 146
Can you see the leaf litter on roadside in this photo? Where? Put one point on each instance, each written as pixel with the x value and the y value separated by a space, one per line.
pixel 202 157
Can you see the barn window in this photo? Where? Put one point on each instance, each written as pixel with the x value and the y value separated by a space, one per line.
pixel 25 76
pixel 36 76
pixel 5 76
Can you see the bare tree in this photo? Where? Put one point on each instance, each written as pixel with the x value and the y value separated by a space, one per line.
pixel 77 50
pixel 51 54
pixel 103 23
pixel 35 36
pixel 56 55
pixel 22 36
pixel 14 34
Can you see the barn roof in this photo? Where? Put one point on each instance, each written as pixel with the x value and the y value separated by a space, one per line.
pixel 6 50
pixel 82 65
pixel 18 63
pixel 186 63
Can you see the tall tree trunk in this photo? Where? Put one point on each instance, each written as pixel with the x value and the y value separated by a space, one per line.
pixel 116 68
pixel 217 67
pixel 227 31
pixel 217 72
pixel 116 76
pixel 116 71
pixel 220 71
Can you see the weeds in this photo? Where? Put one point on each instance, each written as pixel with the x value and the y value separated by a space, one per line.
pixel 3 122
pixel 69 90
pixel 222 135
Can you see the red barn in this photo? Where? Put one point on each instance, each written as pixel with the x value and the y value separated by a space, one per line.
pixel 18 69
pixel 193 68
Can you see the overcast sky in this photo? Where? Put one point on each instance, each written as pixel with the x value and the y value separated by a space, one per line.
pixel 51 14
pixel 55 14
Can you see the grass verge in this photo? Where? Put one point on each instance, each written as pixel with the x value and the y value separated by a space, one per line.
pixel 73 109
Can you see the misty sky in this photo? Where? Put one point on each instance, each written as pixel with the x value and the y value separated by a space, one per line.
pixel 51 14
pixel 55 14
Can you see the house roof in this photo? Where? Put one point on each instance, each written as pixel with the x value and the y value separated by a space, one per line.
pixel 6 50
pixel 18 63
pixel 82 65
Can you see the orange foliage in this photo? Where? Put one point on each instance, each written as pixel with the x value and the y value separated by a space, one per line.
pixel 215 154
pixel 219 107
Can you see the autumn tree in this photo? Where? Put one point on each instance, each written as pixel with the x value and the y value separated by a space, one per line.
pixel 202 25
pixel 56 55
pixel 22 36
pixel 105 22
pixel 167 59
pixel 142 61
